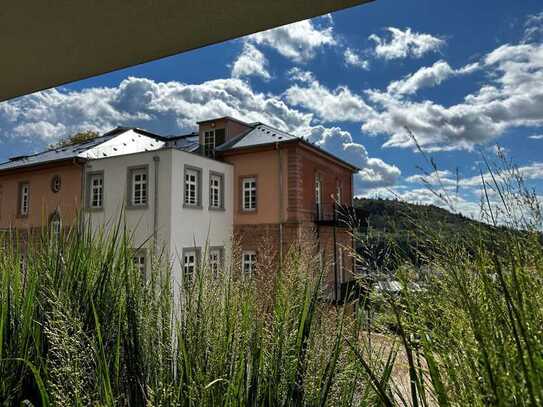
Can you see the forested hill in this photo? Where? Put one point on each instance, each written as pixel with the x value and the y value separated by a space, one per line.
pixel 392 216
pixel 392 231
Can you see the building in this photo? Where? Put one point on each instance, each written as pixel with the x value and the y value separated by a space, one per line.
pixel 285 189
pixel 248 183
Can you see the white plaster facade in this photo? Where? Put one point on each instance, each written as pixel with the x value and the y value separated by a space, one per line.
pixel 174 225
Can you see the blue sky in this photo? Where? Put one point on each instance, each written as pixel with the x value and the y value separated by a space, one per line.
pixel 463 76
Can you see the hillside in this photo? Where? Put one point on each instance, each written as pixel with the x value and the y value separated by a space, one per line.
pixel 392 232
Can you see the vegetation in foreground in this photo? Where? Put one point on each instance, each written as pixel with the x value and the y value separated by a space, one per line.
pixel 80 326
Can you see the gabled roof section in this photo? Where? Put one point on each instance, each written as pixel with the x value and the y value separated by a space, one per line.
pixel 119 141
pixel 262 134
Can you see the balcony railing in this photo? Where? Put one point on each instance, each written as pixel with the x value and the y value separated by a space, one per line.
pixel 334 214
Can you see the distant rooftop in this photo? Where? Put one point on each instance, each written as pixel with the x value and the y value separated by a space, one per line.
pixel 119 141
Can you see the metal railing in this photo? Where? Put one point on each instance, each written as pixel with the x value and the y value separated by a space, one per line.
pixel 333 213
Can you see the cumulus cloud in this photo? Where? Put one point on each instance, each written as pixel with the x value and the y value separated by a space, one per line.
pixel 374 171
pixel 403 44
pixel 329 105
pixel 427 77
pixel 171 108
pixel 512 97
pixel 298 41
pixel 299 75
pixel 353 59
pixel 533 27
pixel 164 107
pixel 250 62
pixel 447 180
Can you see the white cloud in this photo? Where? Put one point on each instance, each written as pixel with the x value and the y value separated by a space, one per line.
pixel 298 41
pixel 374 171
pixel 447 180
pixel 512 97
pixel 353 59
pixel 335 105
pixel 427 77
pixel 297 74
pixel 250 62
pixel 536 137
pixel 533 27
pixel 443 178
pixel 171 108
pixel 403 44
pixel 164 107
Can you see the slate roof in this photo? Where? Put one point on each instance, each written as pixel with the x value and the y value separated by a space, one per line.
pixel 260 134
pixel 88 149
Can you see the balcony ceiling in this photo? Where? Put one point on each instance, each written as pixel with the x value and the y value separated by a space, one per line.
pixel 49 43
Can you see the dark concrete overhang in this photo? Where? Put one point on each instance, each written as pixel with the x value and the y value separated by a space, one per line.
pixel 49 43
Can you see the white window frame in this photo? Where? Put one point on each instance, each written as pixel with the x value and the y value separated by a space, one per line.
pixel 140 261
pixel 209 143
pixel 55 225
pixel 193 181
pixel 248 194
pixel 338 192
pixel 248 262
pixel 24 199
pixel 190 266
pixel 143 184
pixel 318 195
pixel 216 190
pixel 215 260
pixel 96 192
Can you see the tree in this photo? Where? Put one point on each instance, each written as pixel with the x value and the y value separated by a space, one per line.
pixel 76 138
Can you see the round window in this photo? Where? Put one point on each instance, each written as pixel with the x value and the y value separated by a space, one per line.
pixel 56 183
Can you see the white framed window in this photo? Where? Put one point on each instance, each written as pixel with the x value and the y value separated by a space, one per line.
pixel 215 260
pixel 338 192
pixel 248 258
pixel 96 189
pixel 318 196
pixel 249 194
pixel 212 139
pixel 192 187
pixel 24 199
pixel 209 143
pixel 190 258
pixel 55 225
pixel 140 262
pixel 216 182
pixel 138 187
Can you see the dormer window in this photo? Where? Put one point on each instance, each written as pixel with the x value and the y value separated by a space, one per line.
pixel 213 138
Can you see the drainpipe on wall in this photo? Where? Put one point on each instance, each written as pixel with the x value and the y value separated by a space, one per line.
pixel 83 196
pixel 280 174
pixel 156 160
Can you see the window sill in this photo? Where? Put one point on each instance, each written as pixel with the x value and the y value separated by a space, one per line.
pixel 187 206
pixel 217 209
pixel 136 207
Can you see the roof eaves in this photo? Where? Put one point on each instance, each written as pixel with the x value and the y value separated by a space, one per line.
pixel 224 118
pixel 354 168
